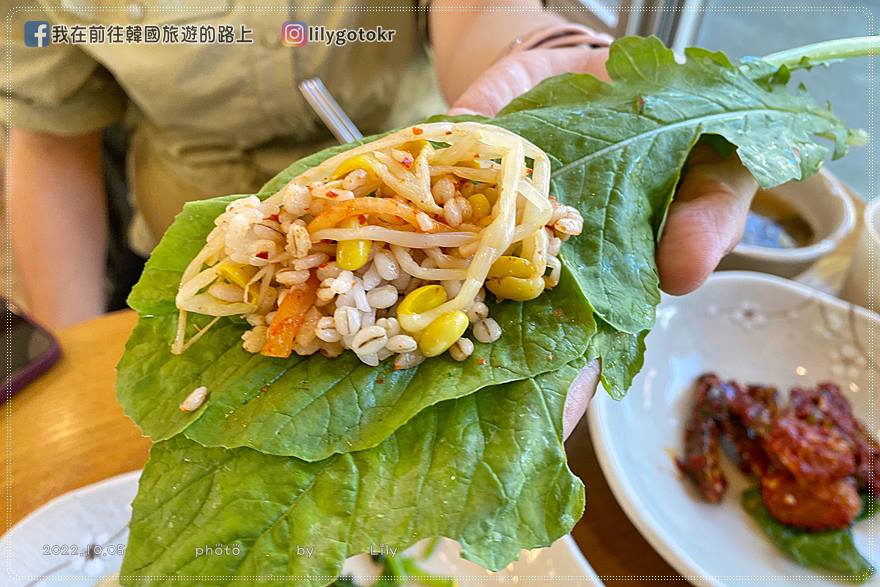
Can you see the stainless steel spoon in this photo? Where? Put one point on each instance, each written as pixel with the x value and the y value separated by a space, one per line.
pixel 329 110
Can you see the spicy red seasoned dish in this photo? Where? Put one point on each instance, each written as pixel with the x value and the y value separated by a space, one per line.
pixel 812 456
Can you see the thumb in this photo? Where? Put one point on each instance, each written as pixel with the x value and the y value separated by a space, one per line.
pixel 456 111
pixel 705 221
pixel 518 73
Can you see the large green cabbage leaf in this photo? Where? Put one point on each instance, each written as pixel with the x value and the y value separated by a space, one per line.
pixel 487 470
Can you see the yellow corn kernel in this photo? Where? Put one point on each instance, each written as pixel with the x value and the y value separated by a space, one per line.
pixel 485 221
pixel 349 165
pixel 235 273
pixel 509 266
pixel 415 147
pixel 352 254
pixel 519 289
pixel 480 206
pixel 422 299
pixel 240 275
pixel 442 333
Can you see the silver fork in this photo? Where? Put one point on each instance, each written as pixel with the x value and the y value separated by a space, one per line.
pixel 329 110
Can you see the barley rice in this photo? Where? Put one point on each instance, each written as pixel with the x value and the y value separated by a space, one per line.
pixel 371 277
pixel 347 320
pixel 486 330
pixel 462 349
pixel 402 343
pixel 382 297
pixel 254 339
pixel 194 400
pixel 298 241
pixel 310 261
pixel 369 340
pixel 227 292
pixel 326 329
pixel 343 283
pixel 391 326
pixel 327 271
pixel 443 189
pixel 478 311
pixel 289 277
pixel 408 360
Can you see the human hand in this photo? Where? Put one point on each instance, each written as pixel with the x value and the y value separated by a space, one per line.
pixel 518 73
pixel 707 216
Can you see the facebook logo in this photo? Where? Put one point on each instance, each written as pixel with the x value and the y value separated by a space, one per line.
pixel 36 33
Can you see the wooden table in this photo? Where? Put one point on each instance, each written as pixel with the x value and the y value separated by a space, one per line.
pixel 67 431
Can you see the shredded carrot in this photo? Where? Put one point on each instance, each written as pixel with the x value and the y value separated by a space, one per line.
pixel 288 319
pixel 334 214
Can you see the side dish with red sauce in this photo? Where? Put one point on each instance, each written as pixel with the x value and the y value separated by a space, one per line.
pixel 815 462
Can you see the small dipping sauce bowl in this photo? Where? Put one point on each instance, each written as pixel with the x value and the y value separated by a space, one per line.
pixel 792 226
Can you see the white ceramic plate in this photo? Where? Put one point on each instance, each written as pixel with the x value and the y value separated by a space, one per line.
pixel 750 327
pixel 47 546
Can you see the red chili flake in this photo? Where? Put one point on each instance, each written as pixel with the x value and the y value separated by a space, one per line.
pixel 332 194
pixel 362 219
pixel 407 162
pixel 323 265
pixel 476 155
pixel 557 313
pixel 326 241
pixel 417 130
pixel 274 217
pixel 263 254
pixel 640 104
pixel 481 362
pixel 380 380
pixel 449 132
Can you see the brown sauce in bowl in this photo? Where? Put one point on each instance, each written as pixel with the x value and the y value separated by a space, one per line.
pixel 773 222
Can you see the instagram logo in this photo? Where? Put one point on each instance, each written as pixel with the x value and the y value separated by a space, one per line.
pixel 294 33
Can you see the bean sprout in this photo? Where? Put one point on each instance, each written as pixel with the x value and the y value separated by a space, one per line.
pixel 315 252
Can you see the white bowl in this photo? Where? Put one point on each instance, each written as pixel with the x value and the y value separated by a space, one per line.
pixel 824 203
pixel 757 329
